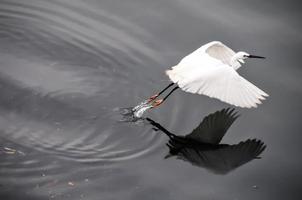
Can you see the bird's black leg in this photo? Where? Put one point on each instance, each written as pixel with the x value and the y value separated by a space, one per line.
pixel 170 93
pixel 160 101
pixel 156 95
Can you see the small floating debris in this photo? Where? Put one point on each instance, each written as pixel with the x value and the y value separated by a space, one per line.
pixel 255 187
pixel 11 151
pixel 8 150
pixel 71 183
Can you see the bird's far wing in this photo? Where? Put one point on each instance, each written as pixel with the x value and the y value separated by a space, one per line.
pixel 224 83
pixel 214 126
pixel 225 158
pixel 207 56
pixel 221 52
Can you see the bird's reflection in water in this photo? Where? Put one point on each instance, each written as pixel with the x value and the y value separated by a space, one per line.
pixel 202 146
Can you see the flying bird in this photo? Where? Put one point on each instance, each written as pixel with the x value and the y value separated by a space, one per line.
pixel 202 146
pixel 211 70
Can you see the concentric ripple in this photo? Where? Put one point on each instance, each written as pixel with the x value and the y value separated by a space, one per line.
pixel 64 68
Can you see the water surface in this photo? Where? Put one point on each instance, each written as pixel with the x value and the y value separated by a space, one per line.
pixel 68 68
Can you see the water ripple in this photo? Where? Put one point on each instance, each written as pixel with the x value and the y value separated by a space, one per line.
pixel 69 66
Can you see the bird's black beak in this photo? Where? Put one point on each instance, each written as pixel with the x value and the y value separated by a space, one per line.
pixel 252 56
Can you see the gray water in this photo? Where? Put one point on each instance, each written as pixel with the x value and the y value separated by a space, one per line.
pixel 69 68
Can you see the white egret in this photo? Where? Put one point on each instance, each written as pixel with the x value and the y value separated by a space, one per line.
pixel 211 70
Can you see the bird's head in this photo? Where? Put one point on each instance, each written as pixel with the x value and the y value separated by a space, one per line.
pixel 241 56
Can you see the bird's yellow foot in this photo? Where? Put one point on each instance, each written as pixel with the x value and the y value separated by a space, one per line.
pixel 157 103
pixel 152 98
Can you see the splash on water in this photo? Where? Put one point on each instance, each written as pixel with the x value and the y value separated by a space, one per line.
pixel 134 114
pixel 141 108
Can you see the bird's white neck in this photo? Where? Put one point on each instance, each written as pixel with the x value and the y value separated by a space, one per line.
pixel 236 61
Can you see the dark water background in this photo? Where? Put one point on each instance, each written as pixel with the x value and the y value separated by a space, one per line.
pixel 66 67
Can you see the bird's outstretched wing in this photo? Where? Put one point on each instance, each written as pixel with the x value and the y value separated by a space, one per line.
pixel 220 52
pixel 214 126
pixel 224 158
pixel 224 83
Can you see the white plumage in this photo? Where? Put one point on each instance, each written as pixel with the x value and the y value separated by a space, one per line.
pixel 211 70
